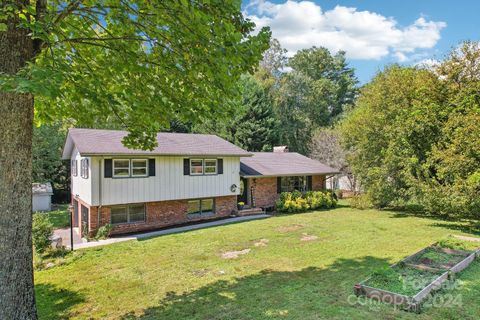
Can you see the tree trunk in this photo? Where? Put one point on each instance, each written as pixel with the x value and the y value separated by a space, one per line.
pixel 17 297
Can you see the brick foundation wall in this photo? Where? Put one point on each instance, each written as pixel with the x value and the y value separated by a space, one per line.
pixel 162 214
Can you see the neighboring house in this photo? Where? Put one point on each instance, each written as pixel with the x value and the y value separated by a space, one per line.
pixel 345 182
pixel 188 177
pixel 42 196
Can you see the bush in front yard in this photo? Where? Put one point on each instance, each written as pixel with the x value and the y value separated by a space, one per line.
pixel 294 202
pixel 361 201
pixel 104 232
pixel 42 231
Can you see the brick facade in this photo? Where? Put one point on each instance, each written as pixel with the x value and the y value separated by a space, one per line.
pixel 158 214
pixel 264 190
pixel 318 183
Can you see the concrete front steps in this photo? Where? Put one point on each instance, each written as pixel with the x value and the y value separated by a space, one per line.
pixel 250 211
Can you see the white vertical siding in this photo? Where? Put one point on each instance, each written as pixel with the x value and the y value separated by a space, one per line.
pixel 82 187
pixel 169 183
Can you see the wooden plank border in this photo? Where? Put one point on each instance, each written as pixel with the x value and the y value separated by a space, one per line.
pixel 414 304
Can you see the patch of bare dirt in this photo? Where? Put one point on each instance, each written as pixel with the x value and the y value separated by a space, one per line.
pixel 235 254
pixel 261 243
pixel 200 272
pixel 290 228
pixel 426 261
pixel 306 237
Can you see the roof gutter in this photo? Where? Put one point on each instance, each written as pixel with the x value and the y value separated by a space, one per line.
pixel 84 154
pixel 288 175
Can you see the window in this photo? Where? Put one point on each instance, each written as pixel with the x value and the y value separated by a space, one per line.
pixel 139 167
pixel 136 212
pixel 200 207
pixel 289 184
pixel 73 168
pixel 196 166
pixel 207 205
pixel 121 168
pixel 210 166
pixel 127 214
pixel 84 168
pixel 194 207
pixel 119 214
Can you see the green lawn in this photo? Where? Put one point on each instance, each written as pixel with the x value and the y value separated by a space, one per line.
pixel 60 216
pixel 183 276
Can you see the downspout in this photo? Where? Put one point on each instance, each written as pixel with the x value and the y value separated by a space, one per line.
pixel 99 192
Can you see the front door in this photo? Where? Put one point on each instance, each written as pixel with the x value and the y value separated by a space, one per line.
pixel 243 191
pixel 84 221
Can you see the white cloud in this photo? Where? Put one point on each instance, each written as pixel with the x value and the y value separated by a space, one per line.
pixel 362 34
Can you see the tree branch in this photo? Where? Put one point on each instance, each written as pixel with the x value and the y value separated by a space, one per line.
pixel 70 8
pixel 41 9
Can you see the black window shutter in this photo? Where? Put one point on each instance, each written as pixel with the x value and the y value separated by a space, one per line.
pixel 186 167
pixel 279 185
pixel 220 166
pixel 108 168
pixel 151 167
pixel 309 183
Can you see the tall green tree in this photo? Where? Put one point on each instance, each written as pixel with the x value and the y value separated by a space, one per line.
pixel 142 62
pixel 331 83
pixel 255 128
pixel 415 135
pixel 453 187
pixel 290 100
pixel 391 131
pixel 317 89
pixel 47 165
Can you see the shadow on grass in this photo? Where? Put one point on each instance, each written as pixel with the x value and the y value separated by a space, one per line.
pixel 306 294
pixel 470 227
pixel 447 222
pixel 54 302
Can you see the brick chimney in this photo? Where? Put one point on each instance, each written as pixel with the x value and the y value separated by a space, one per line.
pixel 280 149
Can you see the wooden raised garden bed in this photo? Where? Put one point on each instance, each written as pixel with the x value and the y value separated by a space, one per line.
pixel 408 283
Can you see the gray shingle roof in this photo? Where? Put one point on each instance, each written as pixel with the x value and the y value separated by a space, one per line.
pixel 109 142
pixel 42 188
pixel 270 164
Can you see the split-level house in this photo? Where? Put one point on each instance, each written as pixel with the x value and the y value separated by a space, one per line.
pixel 187 177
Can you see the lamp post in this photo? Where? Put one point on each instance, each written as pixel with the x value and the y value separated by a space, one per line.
pixel 70 208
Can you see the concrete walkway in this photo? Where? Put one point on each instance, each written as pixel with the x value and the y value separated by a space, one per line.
pixel 64 233
pixel 151 234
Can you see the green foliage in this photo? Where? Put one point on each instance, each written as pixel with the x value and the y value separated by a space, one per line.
pixel 402 280
pixel 331 84
pixel 137 63
pixel 104 231
pixel 295 202
pixel 59 217
pixel 361 201
pixel 256 128
pixel 458 244
pixel 42 231
pixel 317 89
pixel 414 136
pixel 47 164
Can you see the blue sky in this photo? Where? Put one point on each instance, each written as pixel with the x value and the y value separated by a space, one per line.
pixel 372 32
